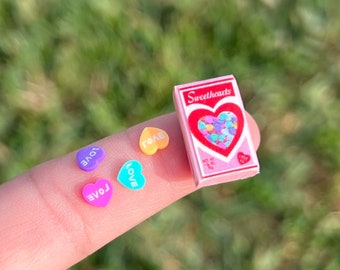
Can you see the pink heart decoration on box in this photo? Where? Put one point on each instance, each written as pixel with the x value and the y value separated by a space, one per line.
pixel 243 158
pixel 219 130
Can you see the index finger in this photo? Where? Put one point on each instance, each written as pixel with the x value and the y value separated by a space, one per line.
pixel 45 221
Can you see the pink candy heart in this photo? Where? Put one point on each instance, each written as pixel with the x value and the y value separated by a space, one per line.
pixel 98 194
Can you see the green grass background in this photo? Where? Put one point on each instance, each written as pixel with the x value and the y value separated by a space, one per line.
pixel 72 72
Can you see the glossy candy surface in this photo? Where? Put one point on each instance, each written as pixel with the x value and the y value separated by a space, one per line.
pixel 153 139
pixel 98 194
pixel 89 158
pixel 131 175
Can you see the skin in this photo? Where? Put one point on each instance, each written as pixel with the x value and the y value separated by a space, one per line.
pixel 46 224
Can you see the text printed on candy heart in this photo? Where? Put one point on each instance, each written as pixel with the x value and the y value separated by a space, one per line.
pixel 130 175
pixel 98 194
pixel 153 139
pixel 89 158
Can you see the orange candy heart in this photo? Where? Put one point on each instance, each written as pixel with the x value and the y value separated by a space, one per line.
pixel 153 139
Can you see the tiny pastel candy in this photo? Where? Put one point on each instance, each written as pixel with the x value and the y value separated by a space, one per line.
pixel 98 194
pixel 223 116
pixel 210 127
pixel 201 125
pixel 209 119
pixel 216 129
pixel 205 132
pixel 225 131
pixel 229 124
pixel 130 175
pixel 153 139
pixel 232 131
pixel 214 137
pixel 89 157
pixel 221 145
pixel 221 137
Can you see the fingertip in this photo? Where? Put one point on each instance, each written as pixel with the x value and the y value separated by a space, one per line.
pixel 254 130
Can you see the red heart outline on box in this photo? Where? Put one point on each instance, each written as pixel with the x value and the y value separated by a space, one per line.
pixel 197 114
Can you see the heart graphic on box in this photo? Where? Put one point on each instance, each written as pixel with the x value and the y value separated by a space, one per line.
pixel 218 129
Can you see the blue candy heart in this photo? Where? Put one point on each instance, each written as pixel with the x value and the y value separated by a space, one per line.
pixel 130 175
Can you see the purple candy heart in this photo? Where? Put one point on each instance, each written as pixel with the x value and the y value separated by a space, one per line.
pixel 89 157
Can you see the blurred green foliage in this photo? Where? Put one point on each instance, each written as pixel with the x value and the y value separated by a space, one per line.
pixel 74 71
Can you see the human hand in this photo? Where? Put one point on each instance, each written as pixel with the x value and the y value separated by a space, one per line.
pixel 45 223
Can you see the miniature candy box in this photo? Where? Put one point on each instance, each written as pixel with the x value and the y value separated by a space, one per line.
pixel 215 131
